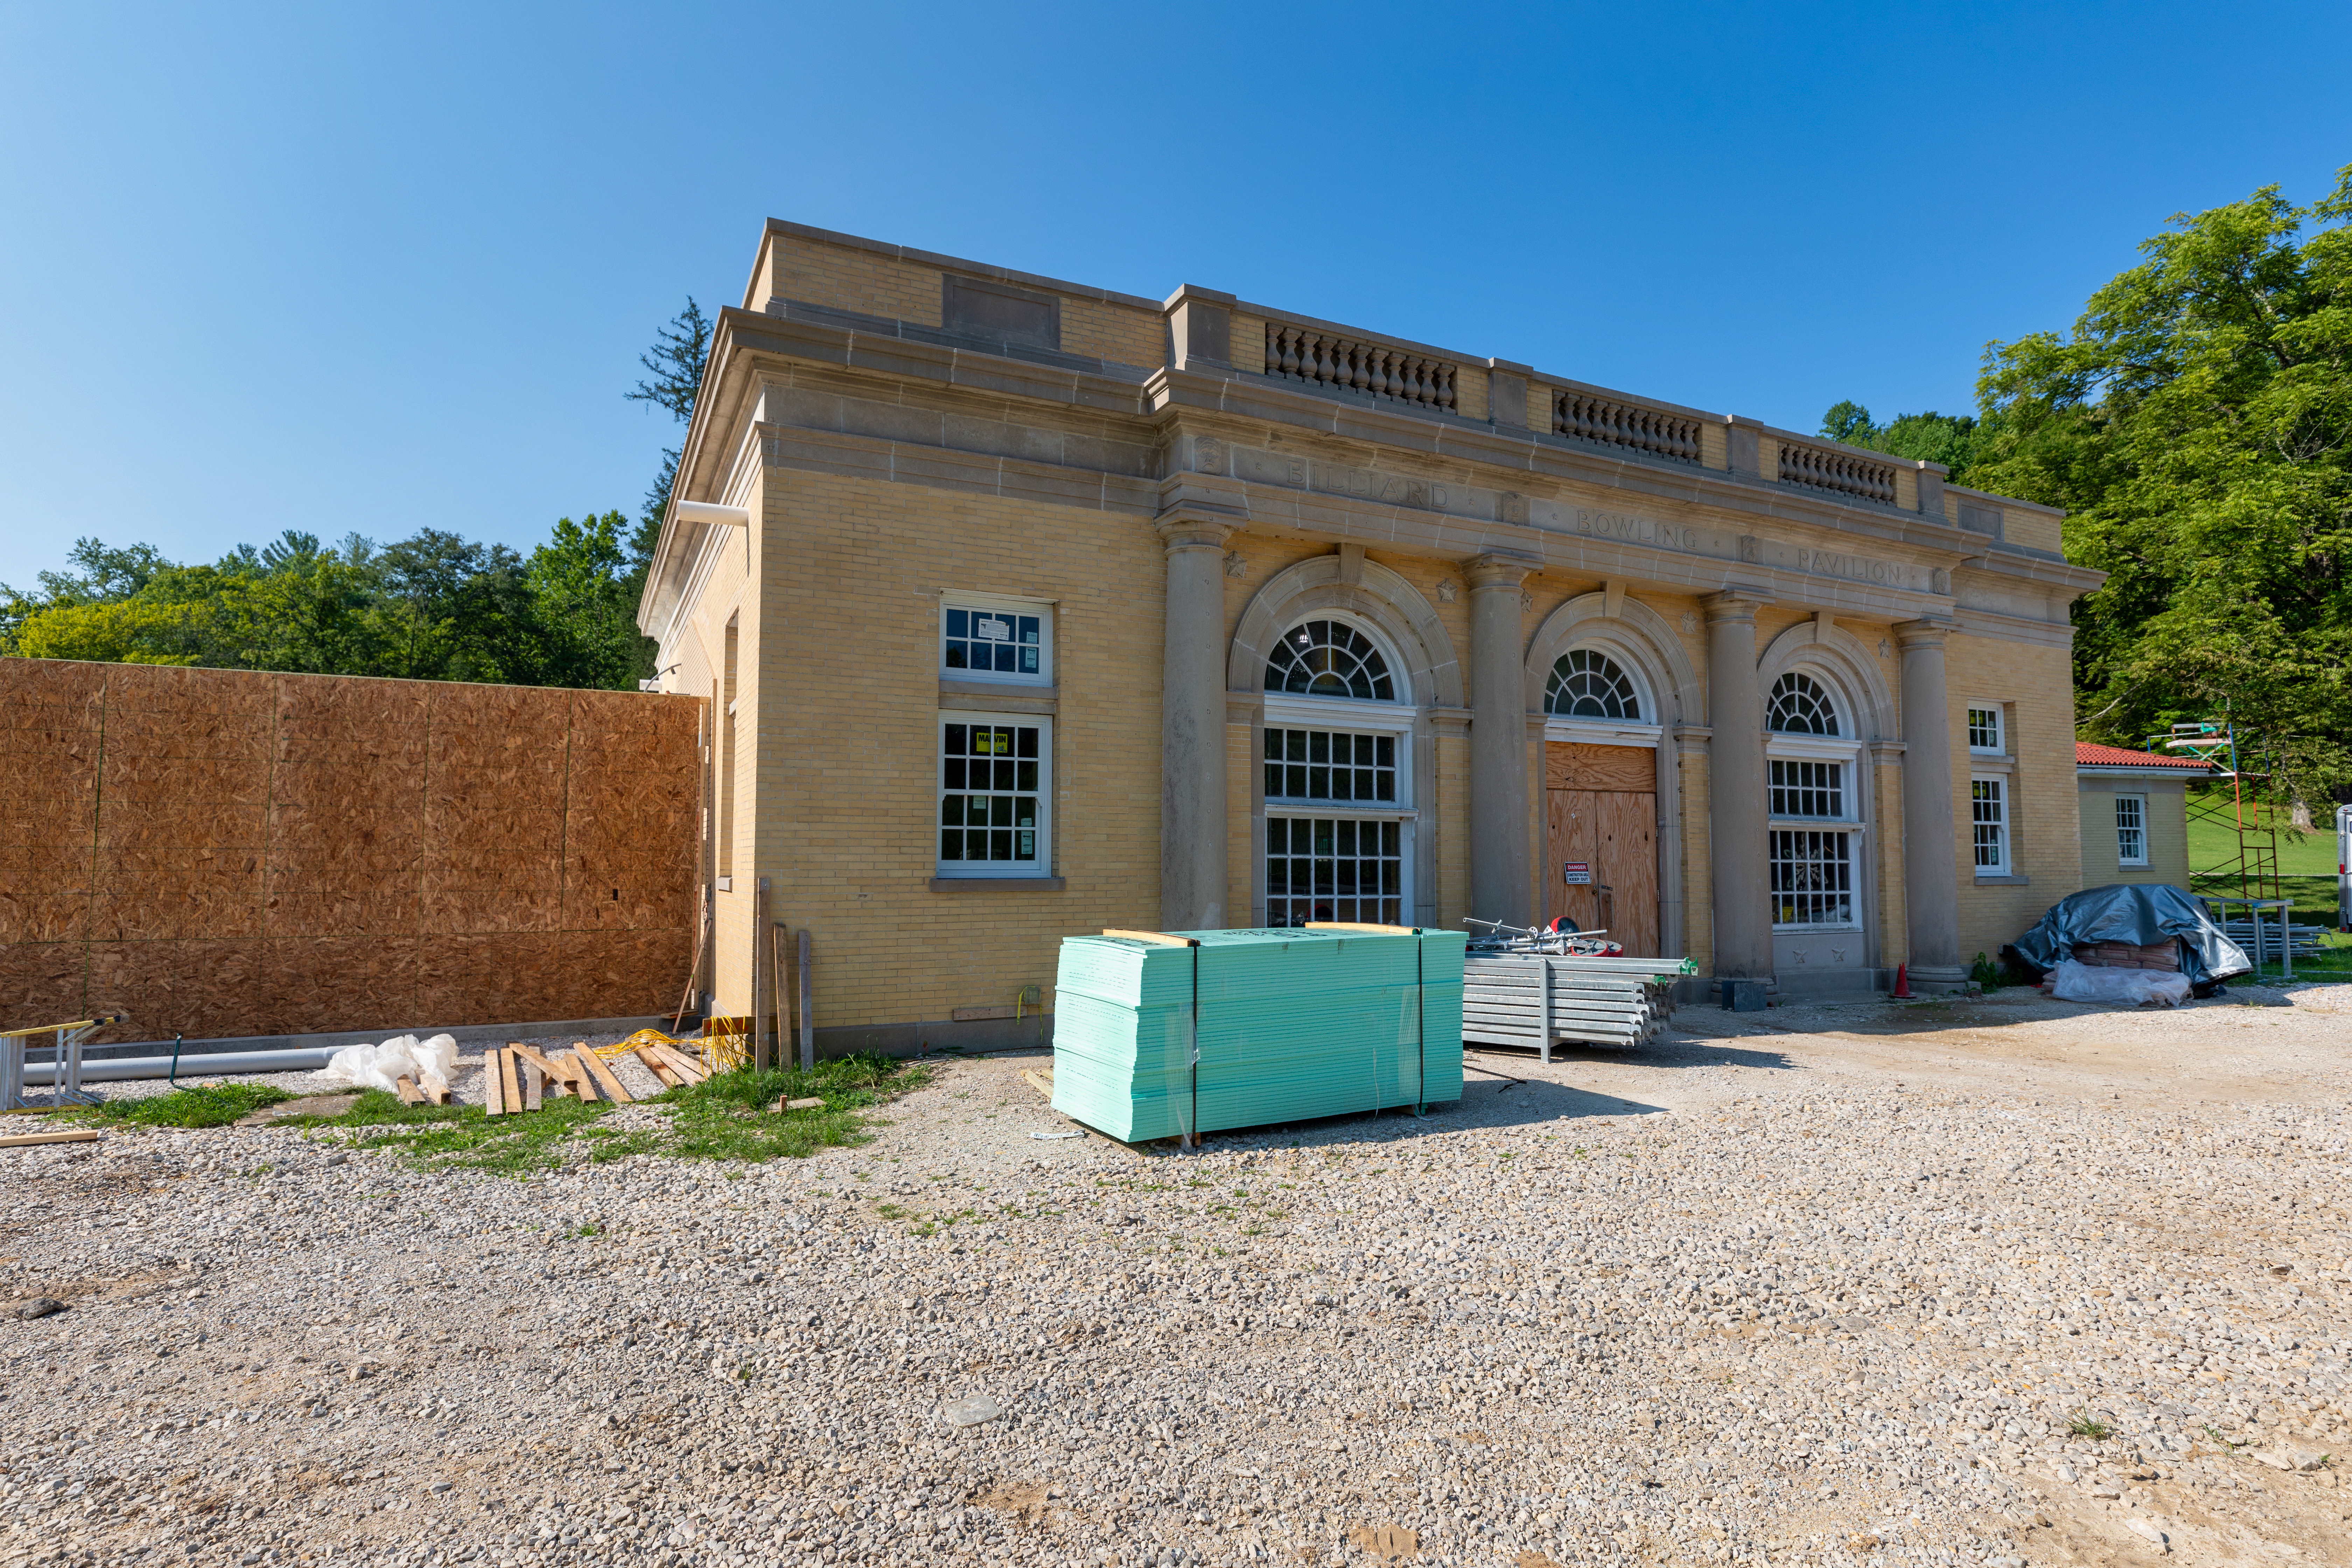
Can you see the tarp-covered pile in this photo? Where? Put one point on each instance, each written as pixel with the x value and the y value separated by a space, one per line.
pixel 2139 914
pixel 1292 1025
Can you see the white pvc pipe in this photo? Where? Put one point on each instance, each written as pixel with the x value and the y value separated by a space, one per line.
pixel 712 512
pixel 193 1065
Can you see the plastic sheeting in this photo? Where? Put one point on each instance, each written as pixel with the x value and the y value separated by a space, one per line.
pixel 381 1067
pixel 2141 913
pixel 2073 982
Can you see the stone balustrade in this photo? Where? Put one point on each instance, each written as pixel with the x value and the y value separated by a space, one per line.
pixel 1617 423
pixel 1326 359
pixel 1847 473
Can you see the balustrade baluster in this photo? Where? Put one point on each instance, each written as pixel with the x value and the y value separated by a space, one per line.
pixel 1289 351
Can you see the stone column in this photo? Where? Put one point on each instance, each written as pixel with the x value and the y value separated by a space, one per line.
pixel 1499 819
pixel 1931 870
pixel 1735 793
pixel 1193 727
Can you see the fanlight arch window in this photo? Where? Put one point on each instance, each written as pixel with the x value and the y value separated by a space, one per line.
pixel 1330 659
pixel 1587 684
pixel 1800 707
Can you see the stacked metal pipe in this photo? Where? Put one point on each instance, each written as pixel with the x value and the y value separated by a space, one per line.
pixel 1540 1000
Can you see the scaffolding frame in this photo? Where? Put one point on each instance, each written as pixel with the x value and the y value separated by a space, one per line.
pixel 2256 867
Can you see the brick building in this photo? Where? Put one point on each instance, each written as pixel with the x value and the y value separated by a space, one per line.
pixel 1025 608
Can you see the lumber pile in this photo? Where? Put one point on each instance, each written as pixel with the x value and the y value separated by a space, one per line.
pixel 518 1078
pixel 1539 1000
pixel 1288 1024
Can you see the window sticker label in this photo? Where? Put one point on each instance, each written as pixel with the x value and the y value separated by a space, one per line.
pixel 988 629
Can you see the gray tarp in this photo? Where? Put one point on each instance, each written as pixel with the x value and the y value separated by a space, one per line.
pixel 2141 913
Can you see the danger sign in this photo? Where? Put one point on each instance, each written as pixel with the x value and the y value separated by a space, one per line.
pixel 1577 872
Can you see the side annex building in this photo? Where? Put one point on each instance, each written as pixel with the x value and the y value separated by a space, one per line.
pixel 1022 607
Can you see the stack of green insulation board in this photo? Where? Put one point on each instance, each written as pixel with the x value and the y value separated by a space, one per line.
pixel 1292 1025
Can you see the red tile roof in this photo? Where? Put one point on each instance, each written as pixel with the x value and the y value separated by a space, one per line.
pixel 2088 754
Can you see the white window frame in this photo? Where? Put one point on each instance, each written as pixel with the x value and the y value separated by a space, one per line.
pixel 1999 747
pixel 1001 604
pixel 1044 864
pixel 1403 806
pixel 2006 826
pixel 1406 853
pixel 2141 800
pixel 1857 879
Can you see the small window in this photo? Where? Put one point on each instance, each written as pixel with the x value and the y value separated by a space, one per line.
pixel 1985 736
pixel 1989 823
pixel 1799 707
pixel 1588 685
pixel 1330 765
pixel 996 642
pixel 1329 658
pixel 996 779
pixel 1812 878
pixel 2131 830
pixel 1808 789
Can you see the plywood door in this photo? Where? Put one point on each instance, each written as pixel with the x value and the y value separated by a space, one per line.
pixel 1600 807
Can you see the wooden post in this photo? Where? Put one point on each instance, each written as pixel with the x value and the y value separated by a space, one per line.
pixel 757 1045
pixel 808 1023
pixel 783 1009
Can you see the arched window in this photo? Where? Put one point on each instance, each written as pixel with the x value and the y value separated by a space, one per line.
pixel 1799 707
pixel 1329 658
pixel 1585 684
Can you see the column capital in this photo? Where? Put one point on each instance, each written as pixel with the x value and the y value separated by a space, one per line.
pixel 1923 633
pixel 1190 528
pixel 1738 602
pixel 1498 569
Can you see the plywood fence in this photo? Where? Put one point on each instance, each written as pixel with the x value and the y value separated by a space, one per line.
pixel 231 852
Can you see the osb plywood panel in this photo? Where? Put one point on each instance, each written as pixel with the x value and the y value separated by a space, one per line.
pixel 225 852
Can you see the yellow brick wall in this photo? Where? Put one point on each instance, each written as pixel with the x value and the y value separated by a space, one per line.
pixel 1452 829
pixel 1893 913
pixel 848 802
pixel 2165 823
pixel 2035 686
pixel 1714 450
pixel 845 279
pixel 1127 333
pixel 726 963
pixel 1470 391
pixel 1249 342
pixel 1241 866
pixel 1906 488
pixel 2036 530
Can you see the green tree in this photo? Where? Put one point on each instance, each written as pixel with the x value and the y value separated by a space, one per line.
pixel 674 363
pixel 2197 426
pixel 1951 440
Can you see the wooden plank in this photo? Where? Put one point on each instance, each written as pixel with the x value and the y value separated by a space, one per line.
pixel 409 1094
pixel 663 1072
pixel 687 1067
pixel 534 1084
pixel 494 1083
pixel 606 1079
pixel 516 1073
pixel 1041 1083
pixel 1572 766
pixel 1628 851
pixel 1159 937
pixel 1353 925
pixel 534 1058
pixel 26 1140
pixel 1569 817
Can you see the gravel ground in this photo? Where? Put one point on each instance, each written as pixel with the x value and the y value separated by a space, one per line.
pixel 1824 1284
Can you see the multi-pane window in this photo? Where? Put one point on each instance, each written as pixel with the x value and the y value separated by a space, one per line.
pixel 1333 869
pixel 1330 765
pixel 979 641
pixel 1813 878
pixel 1329 658
pixel 1799 707
pixel 1989 822
pixel 1588 685
pixel 2131 830
pixel 992 786
pixel 1808 789
pixel 1984 731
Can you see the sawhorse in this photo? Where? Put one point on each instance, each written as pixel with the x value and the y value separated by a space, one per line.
pixel 67 1086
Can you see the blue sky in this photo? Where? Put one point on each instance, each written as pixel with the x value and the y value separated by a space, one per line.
pixel 372 268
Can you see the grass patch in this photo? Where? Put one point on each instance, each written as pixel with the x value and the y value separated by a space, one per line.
pixel 724 1118
pixel 2082 1426
pixel 192 1107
